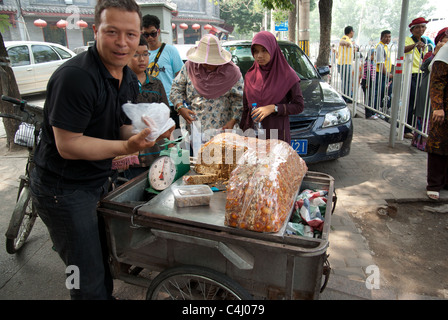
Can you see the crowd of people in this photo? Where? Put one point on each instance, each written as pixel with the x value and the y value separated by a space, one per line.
pixel 429 73
pixel 85 127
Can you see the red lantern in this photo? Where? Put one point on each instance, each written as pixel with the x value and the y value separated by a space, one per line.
pixel 195 26
pixel 62 24
pixel 183 26
pixel 174 13
pixel 40 23
pixel 173 25
pixel 208 27
pixel 82 24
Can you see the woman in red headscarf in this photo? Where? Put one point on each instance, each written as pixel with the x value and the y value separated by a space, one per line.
pixel 273 85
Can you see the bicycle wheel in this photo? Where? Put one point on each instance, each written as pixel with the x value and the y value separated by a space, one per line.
pixel 195 283
pixel 22 221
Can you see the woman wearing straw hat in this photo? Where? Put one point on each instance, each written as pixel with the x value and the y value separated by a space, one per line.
pixel 211 85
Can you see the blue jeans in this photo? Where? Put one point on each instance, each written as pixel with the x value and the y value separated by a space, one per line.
pixel 78 234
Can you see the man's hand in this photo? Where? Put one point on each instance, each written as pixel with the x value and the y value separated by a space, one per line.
pixel 420 45
pixel 138 141
pixel 168 134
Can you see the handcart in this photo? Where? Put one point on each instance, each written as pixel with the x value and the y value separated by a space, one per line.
pixel 192 254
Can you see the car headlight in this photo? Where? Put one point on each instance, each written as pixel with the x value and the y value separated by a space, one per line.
pixel 336 118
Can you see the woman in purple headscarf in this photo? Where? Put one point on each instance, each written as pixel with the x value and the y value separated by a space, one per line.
pixel 273 85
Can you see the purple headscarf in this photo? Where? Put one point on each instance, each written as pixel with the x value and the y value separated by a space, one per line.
pixel 269 84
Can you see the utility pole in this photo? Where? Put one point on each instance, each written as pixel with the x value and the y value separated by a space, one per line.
pixel 304 25
pixel 297 26
pixel 398 74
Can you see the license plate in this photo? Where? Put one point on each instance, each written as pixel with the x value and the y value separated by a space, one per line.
pixel 300 146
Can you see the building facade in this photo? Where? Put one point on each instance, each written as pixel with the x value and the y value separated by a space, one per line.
pixel 192 16
pixel 69 22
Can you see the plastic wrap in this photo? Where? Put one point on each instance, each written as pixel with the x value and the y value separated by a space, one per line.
pixel 156 116
pixel 261 189
pixel 219 156
pixel 191 196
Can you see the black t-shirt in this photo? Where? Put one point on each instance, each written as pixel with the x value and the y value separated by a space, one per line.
pixel 82 97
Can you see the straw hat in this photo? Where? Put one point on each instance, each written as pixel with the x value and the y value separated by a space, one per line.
pixel 209 51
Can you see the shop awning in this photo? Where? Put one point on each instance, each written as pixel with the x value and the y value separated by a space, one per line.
pixel 219 29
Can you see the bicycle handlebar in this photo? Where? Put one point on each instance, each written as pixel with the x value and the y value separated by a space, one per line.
pixel 30 113
pixel 13 100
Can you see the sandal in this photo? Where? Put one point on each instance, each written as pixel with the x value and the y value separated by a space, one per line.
pixel 433 195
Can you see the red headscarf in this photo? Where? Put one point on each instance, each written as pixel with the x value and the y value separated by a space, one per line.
pixel 440 35
pixel 269 84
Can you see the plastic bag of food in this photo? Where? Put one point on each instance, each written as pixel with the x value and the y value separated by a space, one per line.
pixel 219 155
pixel 261 190
pixel 157 115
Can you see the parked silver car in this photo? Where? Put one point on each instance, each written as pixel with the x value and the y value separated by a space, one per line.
pixel 34 62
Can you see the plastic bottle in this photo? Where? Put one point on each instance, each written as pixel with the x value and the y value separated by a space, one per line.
pixel 258 127
pixel 186 105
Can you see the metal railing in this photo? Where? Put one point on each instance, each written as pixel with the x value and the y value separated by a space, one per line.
pixel 350 65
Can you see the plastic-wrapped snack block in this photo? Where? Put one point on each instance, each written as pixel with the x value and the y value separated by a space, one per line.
pixel 220 155
pixel 261 189
pixel 190 196
pixel 200 179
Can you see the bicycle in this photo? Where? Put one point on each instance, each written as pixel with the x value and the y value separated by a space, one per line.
pixel 24 214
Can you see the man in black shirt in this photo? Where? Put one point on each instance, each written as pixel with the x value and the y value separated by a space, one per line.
pixel 84 129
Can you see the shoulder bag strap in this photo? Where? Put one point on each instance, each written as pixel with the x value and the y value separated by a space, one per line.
pixel 157 57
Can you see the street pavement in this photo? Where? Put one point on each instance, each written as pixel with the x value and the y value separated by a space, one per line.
pixel 370 176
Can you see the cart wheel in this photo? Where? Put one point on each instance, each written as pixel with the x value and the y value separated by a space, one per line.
pixel 195 283
pixel 22 221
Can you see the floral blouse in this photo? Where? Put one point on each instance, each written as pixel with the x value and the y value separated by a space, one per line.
pixel 212 113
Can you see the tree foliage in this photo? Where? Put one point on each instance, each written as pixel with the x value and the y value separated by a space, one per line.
pixel 4 22
pixel 246 16
pixel 285 5
pixel 368 18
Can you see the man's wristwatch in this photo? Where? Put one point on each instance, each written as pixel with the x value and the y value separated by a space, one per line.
pixel 275 109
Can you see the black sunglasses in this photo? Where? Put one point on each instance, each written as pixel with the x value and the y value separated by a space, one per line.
pixel 152 34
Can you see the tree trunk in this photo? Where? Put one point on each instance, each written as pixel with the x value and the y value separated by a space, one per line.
pixel 304 20
pixel 8 86
pixel 291 26
pixel 292 23
pixel 325 8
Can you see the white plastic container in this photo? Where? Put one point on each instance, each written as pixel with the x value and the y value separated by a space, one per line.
pixel 190 196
